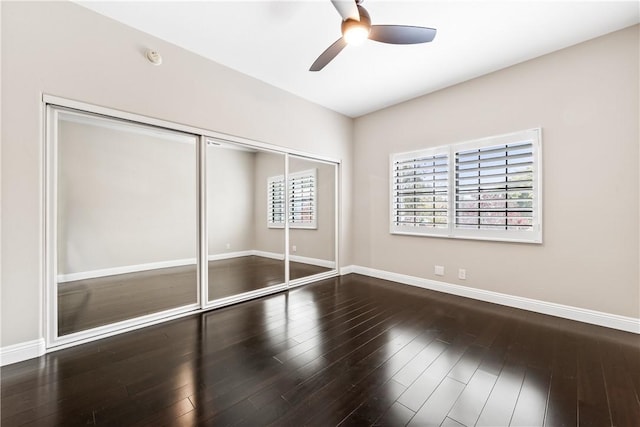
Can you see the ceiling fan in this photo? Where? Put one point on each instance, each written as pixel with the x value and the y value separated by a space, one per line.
pixel 356 28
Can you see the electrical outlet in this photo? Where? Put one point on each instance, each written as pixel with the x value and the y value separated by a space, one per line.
pixel 294 248
pixel 228 245
pixel 462 274
pixel 439 270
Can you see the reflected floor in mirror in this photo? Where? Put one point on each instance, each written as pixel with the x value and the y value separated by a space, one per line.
pixel 345 351
pixel 85 304
pixel 243 274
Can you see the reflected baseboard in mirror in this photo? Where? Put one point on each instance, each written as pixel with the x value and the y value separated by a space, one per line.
pixel 233 276
pixel 89 303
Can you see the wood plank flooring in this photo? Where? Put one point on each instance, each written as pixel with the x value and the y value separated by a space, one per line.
pixel 349 351
pixel 86 304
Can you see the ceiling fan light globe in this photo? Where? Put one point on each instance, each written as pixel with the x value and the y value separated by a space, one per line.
pixel 356 35
pixel 355 32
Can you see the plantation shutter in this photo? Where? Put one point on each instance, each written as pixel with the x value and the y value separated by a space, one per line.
pixel 494 187
pixel 275 201
pixel 420 186
pixel 302 199
pixel 487 189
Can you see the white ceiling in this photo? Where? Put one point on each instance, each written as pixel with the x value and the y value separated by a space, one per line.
pixel 277 41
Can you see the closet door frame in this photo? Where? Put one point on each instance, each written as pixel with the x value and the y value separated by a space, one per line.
pixel 51 106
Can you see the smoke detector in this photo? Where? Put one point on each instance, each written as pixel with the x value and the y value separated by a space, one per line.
pixel 154 57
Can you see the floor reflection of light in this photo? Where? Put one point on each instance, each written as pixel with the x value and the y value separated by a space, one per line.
pixel 299 329
pixel 186 378
pixel 398 337
pixel 275 308
pixel 309 322
pixel 48 376
pixel 188 419
pixel 47 392
pixel 402 337
pixel 274 314
pixel 533 397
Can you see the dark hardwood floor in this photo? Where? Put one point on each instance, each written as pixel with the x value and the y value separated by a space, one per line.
pixel 349 351
pixel 86 304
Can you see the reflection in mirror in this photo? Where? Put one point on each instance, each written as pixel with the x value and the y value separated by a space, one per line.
pixel 125 221
pixel 312 219
pixel 245 253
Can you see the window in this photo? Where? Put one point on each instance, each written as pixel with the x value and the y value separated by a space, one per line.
pixel 484 189
pixel 421 191
pixel 302 200
pixel 275 201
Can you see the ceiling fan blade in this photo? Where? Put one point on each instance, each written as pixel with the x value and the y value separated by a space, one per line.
pixel 348 9
pixel 328 55
pixel 401 34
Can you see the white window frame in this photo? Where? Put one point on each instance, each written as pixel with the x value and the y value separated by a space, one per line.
pixel 531 235
pixel 292 182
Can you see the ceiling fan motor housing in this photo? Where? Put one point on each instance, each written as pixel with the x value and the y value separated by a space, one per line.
pixel 365 21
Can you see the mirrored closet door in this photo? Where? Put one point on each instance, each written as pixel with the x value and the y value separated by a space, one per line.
pixel 245 213
pixel 145 223
pixel 312 218
pixel 125 204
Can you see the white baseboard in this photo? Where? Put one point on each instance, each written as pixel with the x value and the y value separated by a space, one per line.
pixel 614 321
pixel 229 255
pixel 124 270
pixel 272 255
pixel 296 258
pixel 347 269
pixel 313 261
pixel 22 351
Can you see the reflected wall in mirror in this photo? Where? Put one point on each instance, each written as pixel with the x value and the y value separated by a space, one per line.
pixel 125 221
pixel 244 254
pixel 312 217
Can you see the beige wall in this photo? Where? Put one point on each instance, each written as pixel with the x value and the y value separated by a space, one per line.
pixel 585 98
pixel 230 192
pixel 63 49
pixel 124 198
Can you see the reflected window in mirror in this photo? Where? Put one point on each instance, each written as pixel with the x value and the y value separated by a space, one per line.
pixel 302 200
